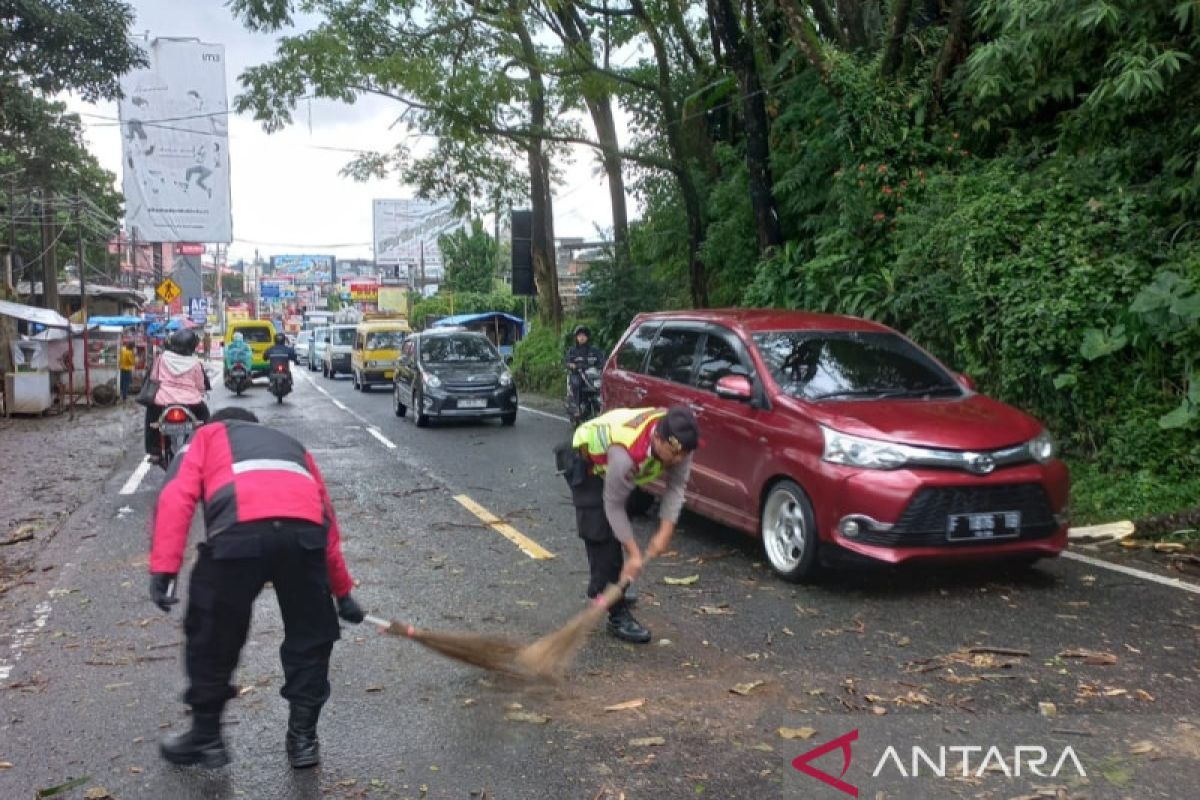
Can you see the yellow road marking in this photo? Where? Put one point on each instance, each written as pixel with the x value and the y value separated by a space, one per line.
pixel 527 546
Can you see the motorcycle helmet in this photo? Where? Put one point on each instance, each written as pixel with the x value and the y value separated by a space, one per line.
pixel 280 339
pixel 184 342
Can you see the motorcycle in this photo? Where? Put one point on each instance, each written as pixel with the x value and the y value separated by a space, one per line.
pixel 588 405
pixel 175 425
pixel 281 378
pixel 237 378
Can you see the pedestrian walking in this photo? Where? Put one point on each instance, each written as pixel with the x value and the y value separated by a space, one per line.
pixel 126 364
pixel 609 456
pixel 267 517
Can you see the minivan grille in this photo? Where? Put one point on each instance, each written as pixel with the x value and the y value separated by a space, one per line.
pixel 923 523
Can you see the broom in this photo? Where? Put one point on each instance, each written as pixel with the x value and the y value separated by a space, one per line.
pixel 550 655
pixel 492 653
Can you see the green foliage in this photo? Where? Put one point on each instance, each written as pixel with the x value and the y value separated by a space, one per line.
pixel 538 359
pixel 470 259
pixel 1099 495
pixel 615 296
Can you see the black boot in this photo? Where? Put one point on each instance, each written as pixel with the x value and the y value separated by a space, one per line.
pixel 631 597
pixel 622 625
pixel 201 745
pixel 303 749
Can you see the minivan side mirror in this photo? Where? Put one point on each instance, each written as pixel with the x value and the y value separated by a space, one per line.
pixel 508 360
pixel 735 387
pixel 965 381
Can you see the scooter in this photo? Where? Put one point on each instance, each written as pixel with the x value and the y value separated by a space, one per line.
pixel 281 378
pixel 176 425
pixel 589 395
pixel 237 378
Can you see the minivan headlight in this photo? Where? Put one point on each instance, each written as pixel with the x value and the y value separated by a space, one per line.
pixel 857 451
pixel 1041 447
pixel 506 378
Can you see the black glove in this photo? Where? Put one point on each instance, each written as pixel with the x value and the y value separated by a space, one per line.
pixel 349 609
pixel 162 590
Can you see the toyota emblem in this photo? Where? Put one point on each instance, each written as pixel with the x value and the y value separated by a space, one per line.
pixel 981 463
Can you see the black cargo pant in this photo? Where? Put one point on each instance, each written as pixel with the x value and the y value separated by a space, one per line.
pixel 606 557
pixel 228 576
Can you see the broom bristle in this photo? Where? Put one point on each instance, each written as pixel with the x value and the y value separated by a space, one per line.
pixel 550 655
pixel 492 653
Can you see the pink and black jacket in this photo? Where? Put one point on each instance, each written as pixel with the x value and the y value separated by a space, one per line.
pixel 243 473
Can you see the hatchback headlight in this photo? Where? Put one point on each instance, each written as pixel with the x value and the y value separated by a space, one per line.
pixel 506 378
pixel 1041 447
pixel 432 381
pixel 857 451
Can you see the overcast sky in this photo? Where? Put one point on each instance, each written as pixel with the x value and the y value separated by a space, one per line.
pixel 287 195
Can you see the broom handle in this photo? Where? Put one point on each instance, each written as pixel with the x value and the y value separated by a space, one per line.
pixel 380 621
pixel 388 626
pixel 615 591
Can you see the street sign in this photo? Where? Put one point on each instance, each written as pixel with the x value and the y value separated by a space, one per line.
pixel 168 290
pixel 198 310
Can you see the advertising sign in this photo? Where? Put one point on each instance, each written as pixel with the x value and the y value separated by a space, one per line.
pixel 363 292
pixel 393 298
pixel 198 310
pixel 175 143
pixel 406 233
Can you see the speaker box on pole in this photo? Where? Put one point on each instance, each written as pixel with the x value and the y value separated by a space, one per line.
pixel 522 254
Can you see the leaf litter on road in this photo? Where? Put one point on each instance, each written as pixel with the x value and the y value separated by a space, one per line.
pixel 745 689
pixel 797 733
pixel 686 581
pixel 628 705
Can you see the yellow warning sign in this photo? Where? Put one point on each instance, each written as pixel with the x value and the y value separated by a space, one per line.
pixel 168 290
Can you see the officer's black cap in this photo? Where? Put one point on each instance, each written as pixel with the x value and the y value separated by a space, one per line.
pixel 680 429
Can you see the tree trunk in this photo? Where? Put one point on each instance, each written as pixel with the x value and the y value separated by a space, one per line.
pixel 850 15
pixel 754 112
pixel 672 122
pixel 545 271
pixel 805 37
pixel 50 254
pixel 826 22
pixel 599 103
pixel 954 51
pixel 901 11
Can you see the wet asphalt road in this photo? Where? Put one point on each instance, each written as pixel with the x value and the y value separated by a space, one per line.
pixel 96 676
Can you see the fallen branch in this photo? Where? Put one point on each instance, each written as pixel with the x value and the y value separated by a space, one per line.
pixel 998 651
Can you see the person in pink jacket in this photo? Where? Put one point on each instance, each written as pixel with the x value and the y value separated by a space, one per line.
pixel 182 381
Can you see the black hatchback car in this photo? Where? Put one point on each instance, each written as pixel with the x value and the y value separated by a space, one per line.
pixel 453 374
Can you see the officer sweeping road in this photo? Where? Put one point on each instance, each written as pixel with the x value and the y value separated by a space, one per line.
pixel 609 456
pixel 267 517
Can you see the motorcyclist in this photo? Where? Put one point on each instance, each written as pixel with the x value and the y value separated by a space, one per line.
pixel 280 348
pixel 182 381
pixel 580 356
pixel 238 351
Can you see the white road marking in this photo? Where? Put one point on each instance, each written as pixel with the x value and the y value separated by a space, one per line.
pixel 135 480
pixel 544 414
pixel 1174 583
pixel 22 637
pixel 371 429
pixel 341 405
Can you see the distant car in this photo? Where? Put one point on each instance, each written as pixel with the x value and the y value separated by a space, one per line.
pixel 335 359
pixel 452 373
pixel 302 345
pixel 316 348
pixel 827 433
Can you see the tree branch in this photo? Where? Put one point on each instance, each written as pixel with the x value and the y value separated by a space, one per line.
pixel 805 37
pixel 827 23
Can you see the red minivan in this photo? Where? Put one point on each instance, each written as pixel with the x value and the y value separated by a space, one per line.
pixel 822 432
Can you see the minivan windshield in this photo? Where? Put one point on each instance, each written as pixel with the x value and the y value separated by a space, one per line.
pixel 341 336
pixel 385 340
pixel 829 365
pixel 457 349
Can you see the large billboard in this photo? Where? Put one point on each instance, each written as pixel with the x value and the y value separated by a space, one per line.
pixel 175 142
pixel 406 234
pixel 306 270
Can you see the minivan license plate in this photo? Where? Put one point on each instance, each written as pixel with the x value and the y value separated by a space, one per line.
pixel 990 525
pixel 480 403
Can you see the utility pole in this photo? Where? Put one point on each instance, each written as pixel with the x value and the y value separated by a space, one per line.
pixel 83 297
pixel 220 289
pixel 133 248
pixel 49 257
pixel 421 268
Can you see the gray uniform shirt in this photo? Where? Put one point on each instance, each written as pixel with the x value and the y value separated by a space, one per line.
pixel 618 485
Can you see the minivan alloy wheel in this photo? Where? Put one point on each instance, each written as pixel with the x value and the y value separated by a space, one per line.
pixel 788 527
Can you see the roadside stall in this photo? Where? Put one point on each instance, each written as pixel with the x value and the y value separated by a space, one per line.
pixel 102 367
pixel 41 354
pixel 503 330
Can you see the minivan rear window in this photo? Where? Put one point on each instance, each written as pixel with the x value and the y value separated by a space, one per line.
pixel 342 336
pixel 259 334
pixel 633 353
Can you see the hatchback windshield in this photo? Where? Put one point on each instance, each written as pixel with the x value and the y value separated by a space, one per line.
pixel 384 340
pixel 341 336
pixel 457 349
pixel 825 365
